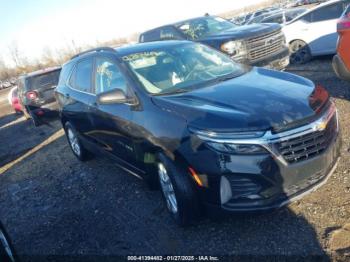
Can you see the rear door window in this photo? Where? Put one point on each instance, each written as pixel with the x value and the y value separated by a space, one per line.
pixel 81 78
pixel 328 12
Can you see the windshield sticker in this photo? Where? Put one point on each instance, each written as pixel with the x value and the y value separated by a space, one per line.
pixel 143 55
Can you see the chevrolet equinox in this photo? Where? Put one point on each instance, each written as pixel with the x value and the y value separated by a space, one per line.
pixel 214 135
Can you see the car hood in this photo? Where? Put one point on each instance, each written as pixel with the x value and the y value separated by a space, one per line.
pixel 258 100
pixel 243 32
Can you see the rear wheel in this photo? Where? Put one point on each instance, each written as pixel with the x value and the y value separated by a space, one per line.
pixel 77 148
pixel 6 249
pixel 178 192
pixel 299 52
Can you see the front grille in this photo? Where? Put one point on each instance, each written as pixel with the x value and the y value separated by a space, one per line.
pixel 266 45
pixel 309 145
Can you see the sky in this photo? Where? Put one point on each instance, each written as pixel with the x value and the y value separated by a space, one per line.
pixel 34 25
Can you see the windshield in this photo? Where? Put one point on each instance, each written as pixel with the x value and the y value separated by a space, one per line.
pixel 181 68
pixel 43 81
pixel 203 27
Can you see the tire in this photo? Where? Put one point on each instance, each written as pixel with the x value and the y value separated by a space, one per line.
pixel 175 184
pixel 7 253
pixel 35 121
pixel 299 52
pixel 75 144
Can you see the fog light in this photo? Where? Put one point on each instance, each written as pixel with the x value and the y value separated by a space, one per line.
pixel 225 190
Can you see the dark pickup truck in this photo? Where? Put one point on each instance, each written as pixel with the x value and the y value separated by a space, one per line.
pixel 257 45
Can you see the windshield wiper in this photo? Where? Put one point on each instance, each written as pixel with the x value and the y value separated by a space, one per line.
pixel 177 91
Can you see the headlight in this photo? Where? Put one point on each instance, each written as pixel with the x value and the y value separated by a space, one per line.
pixel 237 148
pixel 240 143
pixel 236 49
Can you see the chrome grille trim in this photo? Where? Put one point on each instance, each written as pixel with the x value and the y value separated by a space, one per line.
pixel 310 145
pixel 270 141
pixel 265 45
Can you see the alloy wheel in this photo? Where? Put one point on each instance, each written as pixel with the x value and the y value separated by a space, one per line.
pixel 73 141
pixel 6 246
pixel 167 188
pixel 300 52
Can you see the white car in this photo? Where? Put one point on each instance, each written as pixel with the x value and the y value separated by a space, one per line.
pixel 314 32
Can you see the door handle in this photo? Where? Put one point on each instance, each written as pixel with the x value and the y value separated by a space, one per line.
pixel 67 95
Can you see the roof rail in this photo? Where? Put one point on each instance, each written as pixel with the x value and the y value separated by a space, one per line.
pixel 98 49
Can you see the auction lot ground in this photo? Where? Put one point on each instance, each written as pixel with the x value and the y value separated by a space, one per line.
pixel 53 204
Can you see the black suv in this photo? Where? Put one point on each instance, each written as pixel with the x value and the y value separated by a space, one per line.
pixel 257 44
pixel 36 94
pixel 212 133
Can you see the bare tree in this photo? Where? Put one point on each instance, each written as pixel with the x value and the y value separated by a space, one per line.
pixel 48 58
pixel 15 54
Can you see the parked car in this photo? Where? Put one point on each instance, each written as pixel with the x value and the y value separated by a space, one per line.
pixel 280 17
pixel 314 32
pixel 308 2
pixel 212 133
pixel 14 100
pixel 341 61
pixel 6 84
pixel 260 12
pixel 258 19
pixel 258 45
pixel 239 20
pixel 7 253
pixel 13 80
pixel 36 94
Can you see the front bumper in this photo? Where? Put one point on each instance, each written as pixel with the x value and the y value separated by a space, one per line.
pixel 340 68
pixel 267 181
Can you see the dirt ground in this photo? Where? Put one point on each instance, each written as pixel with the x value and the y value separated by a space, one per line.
pixel 51 204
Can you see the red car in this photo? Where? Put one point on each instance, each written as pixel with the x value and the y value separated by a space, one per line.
pixel 14 100
pixel 341 61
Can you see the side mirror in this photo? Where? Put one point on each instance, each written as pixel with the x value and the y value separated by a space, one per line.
pixel 116 96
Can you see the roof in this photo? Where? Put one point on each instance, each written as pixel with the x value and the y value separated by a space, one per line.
pixel 178 22
pixel 42 71
pixel 149 46
pixel 329 2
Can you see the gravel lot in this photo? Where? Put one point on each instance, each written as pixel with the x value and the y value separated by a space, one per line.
pixel 52 204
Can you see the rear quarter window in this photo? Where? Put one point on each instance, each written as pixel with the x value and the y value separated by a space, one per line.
pixel 81 79
pixel 65 72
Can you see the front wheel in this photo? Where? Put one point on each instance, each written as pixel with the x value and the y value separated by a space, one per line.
pixel 299 52
pixel 178 191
